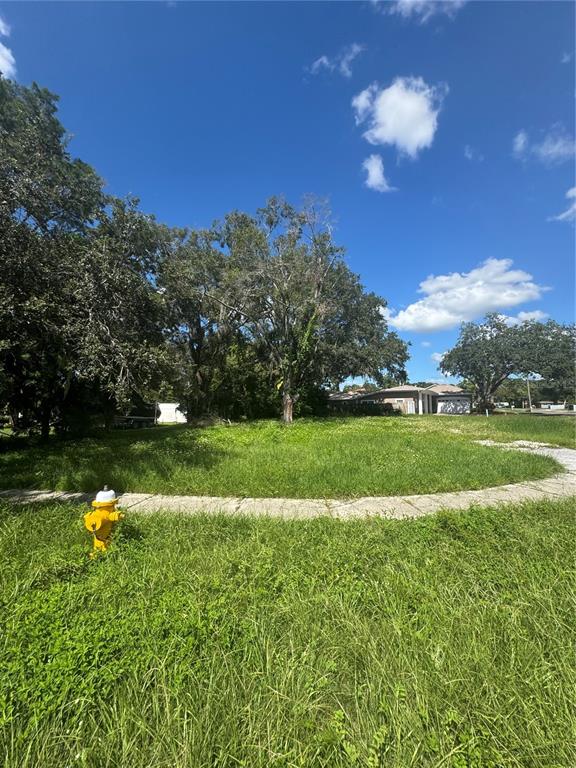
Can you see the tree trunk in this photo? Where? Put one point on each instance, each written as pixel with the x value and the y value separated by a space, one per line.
pixel 287 408
pixel 15 419
pixel 45 423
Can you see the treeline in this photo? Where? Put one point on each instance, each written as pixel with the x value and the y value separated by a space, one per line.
pixel 492 355
pixel 103 309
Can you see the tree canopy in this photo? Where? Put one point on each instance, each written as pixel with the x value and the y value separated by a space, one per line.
pixel 101 305
pixel 488 353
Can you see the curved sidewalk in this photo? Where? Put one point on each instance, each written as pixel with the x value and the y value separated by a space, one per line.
pixel 397 507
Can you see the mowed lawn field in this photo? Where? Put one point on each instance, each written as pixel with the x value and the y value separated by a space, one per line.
pixel 313 458
pixel 444 642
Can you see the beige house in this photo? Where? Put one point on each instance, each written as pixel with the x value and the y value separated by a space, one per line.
pixel 451 399
pixel 405 398
pixel 439 398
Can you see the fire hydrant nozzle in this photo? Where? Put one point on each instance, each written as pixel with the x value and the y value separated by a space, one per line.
pixel 100 520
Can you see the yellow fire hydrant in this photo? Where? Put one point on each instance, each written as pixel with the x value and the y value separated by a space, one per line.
pixel 100 520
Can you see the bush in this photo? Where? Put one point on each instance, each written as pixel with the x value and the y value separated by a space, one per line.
pixel 360 408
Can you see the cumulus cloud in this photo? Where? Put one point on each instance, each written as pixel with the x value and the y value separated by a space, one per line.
pixel 557 146
pixel 404 115
pixel 570 213
pixel 341 63
pixel 437 356
pixel 426 343
pixel 423 10
pixel 460 296
pixel 7 60
pixel 525 317
pixel 375 178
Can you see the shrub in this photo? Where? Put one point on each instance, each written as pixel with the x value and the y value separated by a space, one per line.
pixel 362 408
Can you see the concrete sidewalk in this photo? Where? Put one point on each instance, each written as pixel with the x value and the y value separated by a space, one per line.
pixel 396 507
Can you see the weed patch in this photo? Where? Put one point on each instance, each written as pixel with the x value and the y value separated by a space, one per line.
pixel 224 641
pixel 314 458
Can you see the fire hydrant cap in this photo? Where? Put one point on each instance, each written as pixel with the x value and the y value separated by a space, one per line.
pixel 106 496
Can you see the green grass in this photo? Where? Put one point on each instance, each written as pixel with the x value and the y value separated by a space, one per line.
pixel 445 642
pixel 332 458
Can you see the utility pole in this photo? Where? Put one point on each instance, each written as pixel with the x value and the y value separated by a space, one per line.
pixel 529 397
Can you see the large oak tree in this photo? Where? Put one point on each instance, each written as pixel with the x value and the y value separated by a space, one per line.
pixel 306 312
pixel 487 353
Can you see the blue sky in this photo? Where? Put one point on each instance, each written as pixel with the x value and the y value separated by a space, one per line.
pixel 442 134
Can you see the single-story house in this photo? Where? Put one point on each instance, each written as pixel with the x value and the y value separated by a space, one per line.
pixel 451 399
pixel 440 398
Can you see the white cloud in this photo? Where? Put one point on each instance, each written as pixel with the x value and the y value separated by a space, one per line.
pixel 524 317
pixel 375 178
pixel 341 63
pixel 7 60
pixel 472 154
pixel 404 115
pixel 362 103
pixel 437 356
pixel 423 10
pixel 452 299
pixel 348 55
pixel 570 213
pixel 425 343
pixel 520 144
pixel 556 147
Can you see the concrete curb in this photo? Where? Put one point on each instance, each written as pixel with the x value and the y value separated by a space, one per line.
pixel 394 507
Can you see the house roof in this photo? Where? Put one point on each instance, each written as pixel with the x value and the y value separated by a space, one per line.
pixel 342 396
pixel 444 389
pixel 403 388
pixel 438 390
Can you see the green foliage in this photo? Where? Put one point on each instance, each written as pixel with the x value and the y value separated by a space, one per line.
pixel 335 457
pixel 97 298
pixel 361 408
pixel 366 386
pixel 40 184
pixel 308 313
pixel 272 294
pixel 78 310
pixel 515 391
pixel 219 641
pixel 487 353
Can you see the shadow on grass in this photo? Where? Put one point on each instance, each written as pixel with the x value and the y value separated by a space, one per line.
pixel 128 532
pixel 118 459
pixel 60 573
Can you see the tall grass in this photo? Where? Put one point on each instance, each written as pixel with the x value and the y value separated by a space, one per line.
pixel 330 458
pixel 445 642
